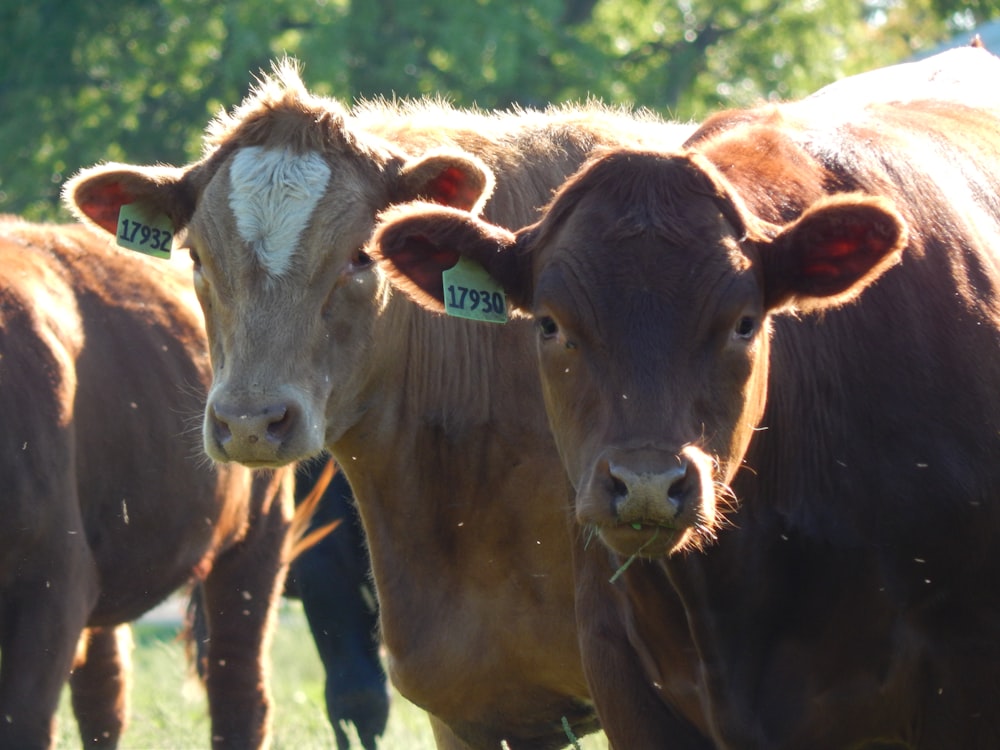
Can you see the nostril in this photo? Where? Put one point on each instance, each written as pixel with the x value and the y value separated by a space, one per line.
pixel 680 489
pixel 281 424
pixel 220 428
pixel 619 490
pixel 618 487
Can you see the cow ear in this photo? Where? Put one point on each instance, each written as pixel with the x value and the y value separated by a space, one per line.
pixel 448 178
pixel 832 252
pixel 96 195
pixel 418 242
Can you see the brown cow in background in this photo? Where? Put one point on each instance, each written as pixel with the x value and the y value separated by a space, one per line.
pixel 464 504
pixel 771 362
pixel 107 505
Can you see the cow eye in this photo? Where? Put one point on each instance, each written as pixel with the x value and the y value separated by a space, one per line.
pixel 745 328
pixel 547 327
pixel 360 260
pixel 195 258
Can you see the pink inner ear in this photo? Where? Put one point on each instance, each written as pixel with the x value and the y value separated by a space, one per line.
pixel 103 202
pixel 835 256
pixel 826 263
pixel 451 188
pixel 422 262
pixel 843 247
pixel 820 269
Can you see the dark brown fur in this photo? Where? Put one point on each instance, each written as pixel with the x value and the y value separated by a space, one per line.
pixel 847 598
pixel 107 506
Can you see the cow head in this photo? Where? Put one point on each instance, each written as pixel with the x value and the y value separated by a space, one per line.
pixel 277 216
pixel 652 286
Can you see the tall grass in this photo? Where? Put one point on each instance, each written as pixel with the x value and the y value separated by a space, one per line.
pixel 169 708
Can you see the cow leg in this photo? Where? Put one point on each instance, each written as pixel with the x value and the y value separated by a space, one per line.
pixel 100 685
pixel 196 630
pixel 241 598
pixel 41 624
pixel 355 683
pixel 332 578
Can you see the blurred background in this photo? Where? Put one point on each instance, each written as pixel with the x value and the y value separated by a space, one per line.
pixel 137 80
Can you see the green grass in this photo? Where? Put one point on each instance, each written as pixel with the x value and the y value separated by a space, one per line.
pixel 169 708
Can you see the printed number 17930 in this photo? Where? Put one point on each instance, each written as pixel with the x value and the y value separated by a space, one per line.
pixel 478 299
pixel 470 292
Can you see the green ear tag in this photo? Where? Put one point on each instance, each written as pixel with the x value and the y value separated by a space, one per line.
pixel 470 292
pixel 140 231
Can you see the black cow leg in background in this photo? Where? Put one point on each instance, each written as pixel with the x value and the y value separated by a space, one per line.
pixel 333 580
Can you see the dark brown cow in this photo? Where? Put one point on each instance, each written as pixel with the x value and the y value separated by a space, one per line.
pixel 464 504
pixel 797 481
pixel 107 506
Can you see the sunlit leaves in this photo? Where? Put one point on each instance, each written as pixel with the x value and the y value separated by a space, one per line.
pixel 137 80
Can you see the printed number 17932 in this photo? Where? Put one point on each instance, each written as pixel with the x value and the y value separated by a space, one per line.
pixel 140 233
pixel 147 235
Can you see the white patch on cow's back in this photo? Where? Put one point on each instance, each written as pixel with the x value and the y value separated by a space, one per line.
pixel 273 192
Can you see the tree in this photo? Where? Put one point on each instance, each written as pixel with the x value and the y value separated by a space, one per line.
pixel 133 80
pixel 137 80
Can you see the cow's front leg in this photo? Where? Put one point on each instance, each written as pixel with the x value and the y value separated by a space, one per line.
pixel 241 598
pixel 100 685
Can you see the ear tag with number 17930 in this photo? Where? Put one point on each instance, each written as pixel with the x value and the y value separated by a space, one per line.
pixel 470 292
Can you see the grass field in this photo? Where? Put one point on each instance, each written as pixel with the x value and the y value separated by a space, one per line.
pixel 169 707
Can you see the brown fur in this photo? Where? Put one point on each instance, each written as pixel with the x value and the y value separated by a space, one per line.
pixel 107 506
pixel 445 444
pixel 850 600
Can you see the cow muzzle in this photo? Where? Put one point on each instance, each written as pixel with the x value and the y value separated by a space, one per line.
pixel 268 434
pixel 649 502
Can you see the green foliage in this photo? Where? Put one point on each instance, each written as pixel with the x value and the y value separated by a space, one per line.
pixel 137 80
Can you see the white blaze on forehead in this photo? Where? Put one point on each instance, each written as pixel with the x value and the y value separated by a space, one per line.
pixel 272 195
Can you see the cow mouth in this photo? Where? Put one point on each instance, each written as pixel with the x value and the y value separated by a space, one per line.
pixel 219 455
pixel 644 540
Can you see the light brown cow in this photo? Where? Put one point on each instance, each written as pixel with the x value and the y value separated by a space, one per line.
pixel 795 321
pixel 107 506
pixel 461 494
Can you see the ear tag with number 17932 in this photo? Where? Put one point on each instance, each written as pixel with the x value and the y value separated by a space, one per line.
pixel 149 234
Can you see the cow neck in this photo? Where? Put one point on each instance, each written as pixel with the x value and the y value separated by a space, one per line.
pixel 434 375
pixel 691 580
pixel 457 439
pixel 451 409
